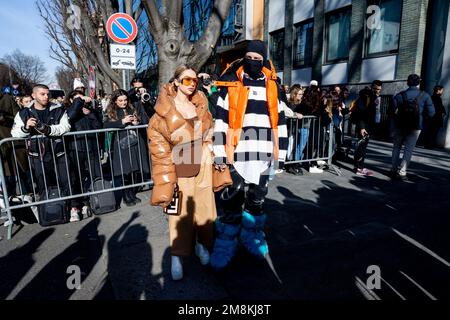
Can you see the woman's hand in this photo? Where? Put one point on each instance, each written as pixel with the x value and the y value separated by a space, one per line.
pixel 299 115
pixel 128 119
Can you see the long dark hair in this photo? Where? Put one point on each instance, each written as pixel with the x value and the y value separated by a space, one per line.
pixel 312 99
pixel 111 110
pixel 67 103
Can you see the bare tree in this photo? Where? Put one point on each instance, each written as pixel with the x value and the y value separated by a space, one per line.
pixel 76 48
pixel 65 77
pixel 30 69
pixel 7 75
pixel 174 48
pixel 79 45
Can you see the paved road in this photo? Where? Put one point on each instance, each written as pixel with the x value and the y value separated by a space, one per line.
pixel 324 231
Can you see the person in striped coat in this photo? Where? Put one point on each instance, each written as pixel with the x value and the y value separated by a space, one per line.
pixel 250 136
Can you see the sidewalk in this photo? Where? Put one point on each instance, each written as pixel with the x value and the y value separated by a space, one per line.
pixel 323 231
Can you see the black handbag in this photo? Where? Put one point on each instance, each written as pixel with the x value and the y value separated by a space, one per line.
pixel 128 141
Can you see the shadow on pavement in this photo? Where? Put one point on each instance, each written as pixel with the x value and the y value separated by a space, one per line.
pixel 15 265
pixel 84 253
pixel 322 246
pixel 130 262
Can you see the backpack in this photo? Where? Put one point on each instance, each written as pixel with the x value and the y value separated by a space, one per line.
pixel 408 113
pixel 105 202
pixel 53 212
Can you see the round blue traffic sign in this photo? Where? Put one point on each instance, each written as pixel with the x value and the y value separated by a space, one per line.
pixel 121 28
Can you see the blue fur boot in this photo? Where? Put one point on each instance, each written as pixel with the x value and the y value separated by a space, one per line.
pixel 225 244
pixel 252 234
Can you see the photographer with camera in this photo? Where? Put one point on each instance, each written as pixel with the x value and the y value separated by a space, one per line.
pixel 139 95
pixel 83 151
pixel 366 115
pixel 46 155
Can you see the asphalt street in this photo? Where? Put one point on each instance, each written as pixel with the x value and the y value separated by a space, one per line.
pixel 326 234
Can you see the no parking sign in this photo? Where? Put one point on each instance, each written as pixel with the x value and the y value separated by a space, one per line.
pixel 121 28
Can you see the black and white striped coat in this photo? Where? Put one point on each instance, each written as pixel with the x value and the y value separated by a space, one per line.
pixel 254 152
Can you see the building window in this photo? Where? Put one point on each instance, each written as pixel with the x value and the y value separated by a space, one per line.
pixel 277 49
pixel 338 35
pixel 383 37
pixel 303 44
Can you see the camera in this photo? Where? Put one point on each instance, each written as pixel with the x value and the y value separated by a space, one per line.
pixel 40 126
pixel 145 97
pixel 91 107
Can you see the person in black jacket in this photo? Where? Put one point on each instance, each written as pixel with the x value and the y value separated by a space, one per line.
pixel 139 95
pixel 84 150
pixel 366 114
pixel 47 155
pixel 129 148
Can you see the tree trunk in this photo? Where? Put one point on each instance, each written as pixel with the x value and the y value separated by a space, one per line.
pixel 174 49
pixel 166 68
pixel 173 52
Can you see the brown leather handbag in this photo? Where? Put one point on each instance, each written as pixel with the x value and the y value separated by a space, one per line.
pixel 190 167
pixel 221 179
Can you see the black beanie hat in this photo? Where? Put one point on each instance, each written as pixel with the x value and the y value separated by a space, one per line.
pixel 257 46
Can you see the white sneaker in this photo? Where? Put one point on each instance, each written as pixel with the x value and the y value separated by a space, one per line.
pixel 176 268
pixel 7 222
pixel 74 215
pixel 202 253
pixel 315 170
pixel 321 162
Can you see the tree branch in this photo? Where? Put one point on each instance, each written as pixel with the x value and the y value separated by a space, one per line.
pixel 156 25
pixel 204 46
pixel 174 10
pixel 129 7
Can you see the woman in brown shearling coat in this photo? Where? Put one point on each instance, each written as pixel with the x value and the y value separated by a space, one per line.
pixel 180 143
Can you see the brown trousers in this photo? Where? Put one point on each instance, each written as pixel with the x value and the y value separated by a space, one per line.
pixel 198 210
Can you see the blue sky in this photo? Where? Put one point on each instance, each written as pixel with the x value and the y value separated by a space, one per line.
pixel 21 28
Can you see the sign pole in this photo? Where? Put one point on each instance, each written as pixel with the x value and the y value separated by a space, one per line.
pixel 124 80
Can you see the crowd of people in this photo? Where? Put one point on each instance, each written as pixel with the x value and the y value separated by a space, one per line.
pixel 245 124
pixel 74 162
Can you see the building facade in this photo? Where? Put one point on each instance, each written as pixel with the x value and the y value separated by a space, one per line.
pixel 353 42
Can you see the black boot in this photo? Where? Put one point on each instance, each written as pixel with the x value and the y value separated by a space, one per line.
pixel 127 198
pixel 133 192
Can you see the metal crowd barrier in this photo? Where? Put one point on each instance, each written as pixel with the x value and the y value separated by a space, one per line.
pixel 310 140
pixel 96 160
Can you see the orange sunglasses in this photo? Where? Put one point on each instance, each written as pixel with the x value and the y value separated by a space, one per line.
pixel 188 81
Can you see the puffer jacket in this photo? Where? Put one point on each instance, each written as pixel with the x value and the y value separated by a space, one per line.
pixel 167 128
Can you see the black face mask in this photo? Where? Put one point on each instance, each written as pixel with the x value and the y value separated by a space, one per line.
pixel 253 68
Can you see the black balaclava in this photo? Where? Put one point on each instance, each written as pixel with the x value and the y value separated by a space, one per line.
pixel 253 67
